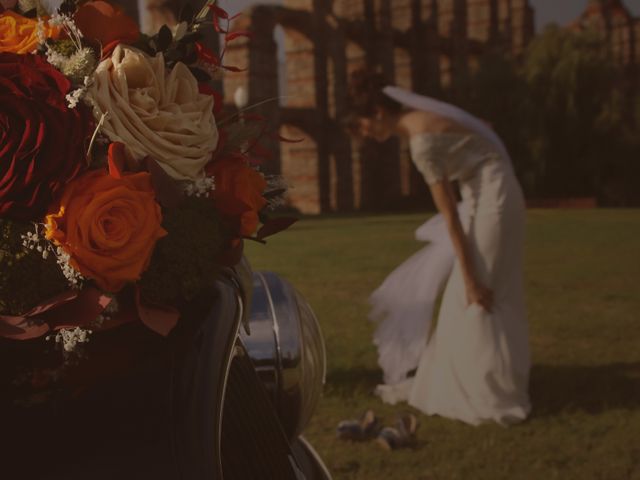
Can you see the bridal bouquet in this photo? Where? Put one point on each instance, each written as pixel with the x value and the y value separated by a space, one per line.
pixel 124 186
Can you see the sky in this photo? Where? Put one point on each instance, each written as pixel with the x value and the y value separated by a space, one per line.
pixel 564 11
pixel 547 11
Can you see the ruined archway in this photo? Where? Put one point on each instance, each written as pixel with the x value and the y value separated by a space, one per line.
pixel 424 45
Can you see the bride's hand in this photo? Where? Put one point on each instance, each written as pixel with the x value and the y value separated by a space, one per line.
pixel 478 293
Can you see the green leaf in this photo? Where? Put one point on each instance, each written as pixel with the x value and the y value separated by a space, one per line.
pixel 164 38
pixel 191 37
pixel 200 74
pixel 190 55
pixel 275 225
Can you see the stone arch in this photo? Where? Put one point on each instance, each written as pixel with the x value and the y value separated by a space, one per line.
pixel 304 113
pixel 279 39
pixel 426 45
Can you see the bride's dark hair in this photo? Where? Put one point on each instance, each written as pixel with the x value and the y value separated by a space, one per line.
pixel 366 96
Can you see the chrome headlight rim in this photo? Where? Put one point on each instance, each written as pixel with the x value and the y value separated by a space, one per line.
pixel 287 347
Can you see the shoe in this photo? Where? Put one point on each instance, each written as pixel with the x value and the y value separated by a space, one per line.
pixel 359 430
pixel 408 425
pixel 402 434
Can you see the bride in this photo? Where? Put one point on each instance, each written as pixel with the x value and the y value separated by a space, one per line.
pixel 475 365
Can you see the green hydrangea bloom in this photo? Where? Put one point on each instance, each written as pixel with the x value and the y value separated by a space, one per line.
pixel 26 278
pixel 186 261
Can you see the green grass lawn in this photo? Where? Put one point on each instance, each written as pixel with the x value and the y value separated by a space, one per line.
pixel 583 293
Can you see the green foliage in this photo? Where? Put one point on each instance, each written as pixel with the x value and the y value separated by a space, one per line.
pixel 64 47
pixel 25 278
pixel 186 260
pixel 495 93
pixel 576 110
pixel 566 115
pixel 570 72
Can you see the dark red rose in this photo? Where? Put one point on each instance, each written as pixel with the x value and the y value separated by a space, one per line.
pixel 43 143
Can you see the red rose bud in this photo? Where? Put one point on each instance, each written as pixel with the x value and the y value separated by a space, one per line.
pixel 106 23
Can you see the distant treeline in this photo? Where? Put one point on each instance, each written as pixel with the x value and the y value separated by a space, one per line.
pixel 569 114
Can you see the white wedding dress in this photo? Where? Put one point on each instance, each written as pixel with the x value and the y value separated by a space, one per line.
pixel 475 366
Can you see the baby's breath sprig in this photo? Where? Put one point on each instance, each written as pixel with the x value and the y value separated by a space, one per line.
pixel 36 241
pixel 69 55
pixel 66 22
pixel 200 187
pixel 75 63
pixel 78 94
pixel 42 37
pixel 73 276
pixel 70 339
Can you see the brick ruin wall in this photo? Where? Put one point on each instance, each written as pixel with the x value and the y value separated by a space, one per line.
pixel 419 44
pixel 423 45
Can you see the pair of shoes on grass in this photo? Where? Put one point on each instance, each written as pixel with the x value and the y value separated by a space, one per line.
pixel 365 428
pixel 401 434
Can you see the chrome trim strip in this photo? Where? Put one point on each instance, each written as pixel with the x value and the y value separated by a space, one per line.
pixel 230 355
pixel 276 334
pixel 316 457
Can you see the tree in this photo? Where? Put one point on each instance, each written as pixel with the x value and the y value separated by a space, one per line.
pixel 495 93
pixel 575 127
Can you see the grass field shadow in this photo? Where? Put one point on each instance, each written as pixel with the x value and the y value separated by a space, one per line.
pixel 554 389
pixel 345 382
pixel 593 389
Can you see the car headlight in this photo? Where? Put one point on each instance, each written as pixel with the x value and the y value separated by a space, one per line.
pixel 287 348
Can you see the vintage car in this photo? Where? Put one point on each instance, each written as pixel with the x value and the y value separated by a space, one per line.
pixel 225 396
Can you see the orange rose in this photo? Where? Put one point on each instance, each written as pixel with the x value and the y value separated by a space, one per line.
pixel 109 224
pixel 106 23
pixel 238 192
pixel 19 34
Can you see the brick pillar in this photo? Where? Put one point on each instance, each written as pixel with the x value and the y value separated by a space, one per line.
pixel 349 55
pixel 302 162
pixel 237 55
pixel 258 55
pixel 263 79
pixel 300 170
pixel 494 23
pixel 460 44
pixel 305 165
pixel 327 175
pixel 432 76
pixel 517 23
pixel 406 29
pixel 341 162
pixel 380 163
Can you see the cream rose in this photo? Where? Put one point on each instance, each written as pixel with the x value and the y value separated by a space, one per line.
pixel 155 112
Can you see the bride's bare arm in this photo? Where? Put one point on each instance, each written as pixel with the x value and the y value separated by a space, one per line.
pixel 445 200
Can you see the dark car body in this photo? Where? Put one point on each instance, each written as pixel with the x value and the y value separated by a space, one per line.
pixel 140 406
